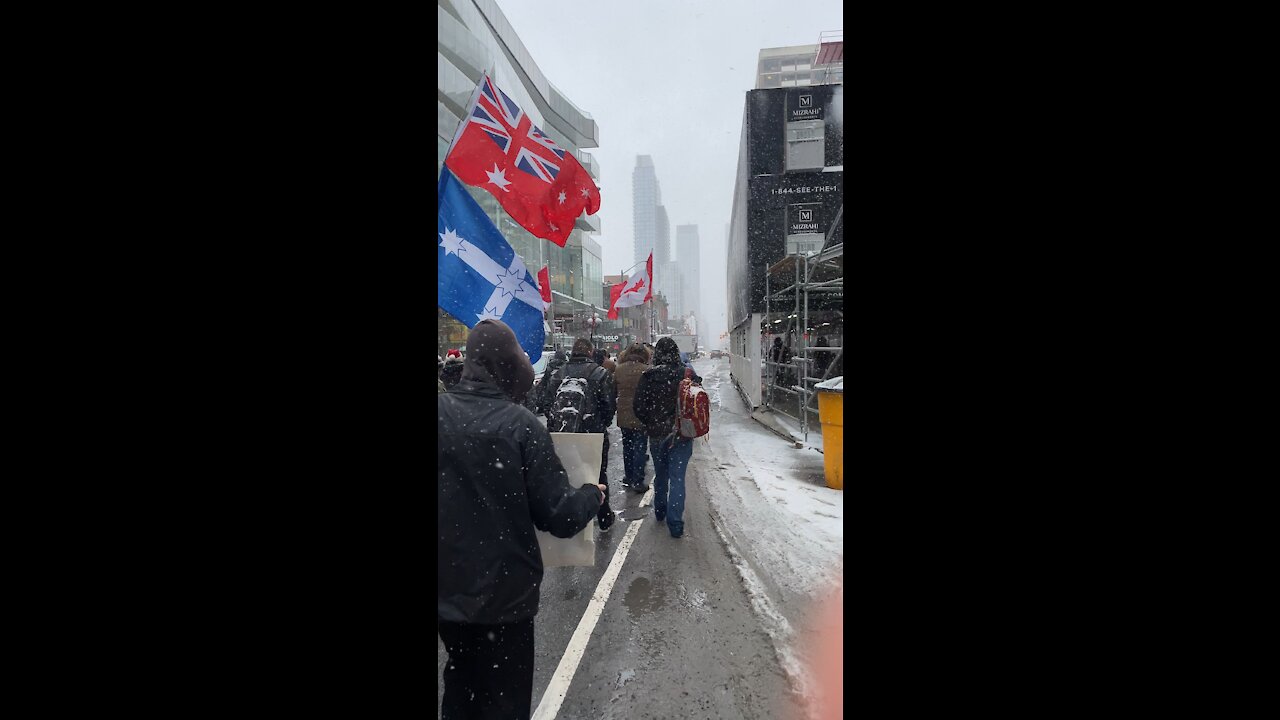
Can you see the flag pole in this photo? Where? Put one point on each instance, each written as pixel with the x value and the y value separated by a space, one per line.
pixel 462 124
pixel 466 111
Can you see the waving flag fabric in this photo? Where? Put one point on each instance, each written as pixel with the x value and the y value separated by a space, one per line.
pixel 637 290
pixel 539 184
pixel 544 284
pixel 480 276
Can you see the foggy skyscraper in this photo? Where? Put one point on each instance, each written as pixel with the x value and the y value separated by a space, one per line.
pixel 666 272
pixel 690 272
pixel 652 232
pixel 646 196
pixel 662 244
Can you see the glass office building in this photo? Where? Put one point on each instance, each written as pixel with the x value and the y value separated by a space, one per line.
pixel 474 36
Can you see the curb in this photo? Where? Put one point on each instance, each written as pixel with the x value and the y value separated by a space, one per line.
pixel 776 431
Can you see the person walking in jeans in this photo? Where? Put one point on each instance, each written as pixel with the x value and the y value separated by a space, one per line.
pixel 655 406
pixel 635 441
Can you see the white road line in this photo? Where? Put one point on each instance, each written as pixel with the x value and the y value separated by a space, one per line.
pixel 553 696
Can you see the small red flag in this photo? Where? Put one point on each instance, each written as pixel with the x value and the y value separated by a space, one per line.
pixel 614 292
pixel 544 284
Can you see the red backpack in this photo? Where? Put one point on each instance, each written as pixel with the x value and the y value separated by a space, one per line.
pixel 693 409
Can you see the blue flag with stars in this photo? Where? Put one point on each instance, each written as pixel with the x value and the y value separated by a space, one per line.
pixel 481 276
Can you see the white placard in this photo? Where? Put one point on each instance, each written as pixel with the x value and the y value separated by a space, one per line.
pixel 580 455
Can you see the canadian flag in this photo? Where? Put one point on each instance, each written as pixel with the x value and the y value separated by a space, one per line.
pixel 637 290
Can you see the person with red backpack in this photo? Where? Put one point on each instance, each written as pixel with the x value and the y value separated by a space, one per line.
pixel 658 404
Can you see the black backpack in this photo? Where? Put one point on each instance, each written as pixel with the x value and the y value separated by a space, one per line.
pixel 575 403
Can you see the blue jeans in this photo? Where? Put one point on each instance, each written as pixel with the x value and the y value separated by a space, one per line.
pixel 670 461
pixel 635 455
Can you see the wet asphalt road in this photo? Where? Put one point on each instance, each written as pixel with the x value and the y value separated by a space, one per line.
pixel 677 637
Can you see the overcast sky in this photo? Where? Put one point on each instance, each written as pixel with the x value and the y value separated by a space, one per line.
pixel 666 78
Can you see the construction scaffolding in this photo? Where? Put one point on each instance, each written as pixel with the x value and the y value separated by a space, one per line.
pixel 792 366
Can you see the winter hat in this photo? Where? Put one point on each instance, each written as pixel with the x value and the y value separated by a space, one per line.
pixel 495 356
pixel 666 352
pixel 453 354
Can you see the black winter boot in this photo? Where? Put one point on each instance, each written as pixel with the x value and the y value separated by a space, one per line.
pixel 605 517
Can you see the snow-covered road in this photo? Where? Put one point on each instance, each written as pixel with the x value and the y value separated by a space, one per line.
pixel 709 625
pixel 783 528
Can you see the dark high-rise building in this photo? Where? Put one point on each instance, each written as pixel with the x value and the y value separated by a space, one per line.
pixel 787 201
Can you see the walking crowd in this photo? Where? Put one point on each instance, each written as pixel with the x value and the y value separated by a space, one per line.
pixel 500 479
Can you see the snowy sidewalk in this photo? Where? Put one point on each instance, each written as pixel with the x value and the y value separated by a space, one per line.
pixel 783 528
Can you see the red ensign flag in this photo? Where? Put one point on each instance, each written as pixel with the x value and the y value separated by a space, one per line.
pixel 540 185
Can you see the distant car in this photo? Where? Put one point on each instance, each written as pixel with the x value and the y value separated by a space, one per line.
pixel 541 366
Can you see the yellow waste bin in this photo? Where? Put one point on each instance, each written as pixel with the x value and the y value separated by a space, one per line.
pixel 831 415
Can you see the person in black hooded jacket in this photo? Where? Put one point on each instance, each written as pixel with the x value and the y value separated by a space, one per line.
pixel 498 479
pixel 655 406
pixel 538 401
pixel 605 396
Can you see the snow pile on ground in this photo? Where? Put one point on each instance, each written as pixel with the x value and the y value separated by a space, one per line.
pixel 835 383
pixel 792 481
